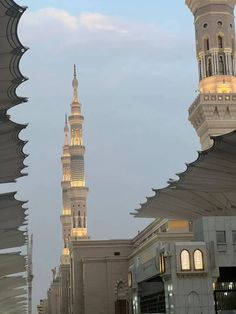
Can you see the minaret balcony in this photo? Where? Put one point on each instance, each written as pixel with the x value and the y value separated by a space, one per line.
pixel 76 119
pixel 65 185
pixel 66 158
pixel 78 192
pixel 65 218
pixel 77 150
pixel 194 5
pixel 212 99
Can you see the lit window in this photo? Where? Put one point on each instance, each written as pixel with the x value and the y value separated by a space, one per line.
pixel 185 260
pixel 209 67
pixel 198 260
pixel 162 265
pixel 130 280
pixel 220 237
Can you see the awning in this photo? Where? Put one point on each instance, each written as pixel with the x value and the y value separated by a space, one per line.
pixel 206 188
pixel 12 215
pixel 12 238
pixel 11 150
pixel 11 51
pixel 12 263
pixel 9 293
pixel 12 282
pixel 12 304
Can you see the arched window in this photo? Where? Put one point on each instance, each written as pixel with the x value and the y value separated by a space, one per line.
pixel 73 221
pixel 198 260
pixel 185 260
pixel 78 213
pixel 206 44
pixel 162 265
pixel 220 41
pixel 130 279
pixel 200 69
pixel 209 67
pixel 221 65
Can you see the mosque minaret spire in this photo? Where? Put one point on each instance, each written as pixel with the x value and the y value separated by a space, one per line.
pixel 75 85
pixel 74 190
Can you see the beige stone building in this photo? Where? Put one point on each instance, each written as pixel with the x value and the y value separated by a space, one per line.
pixel 185 262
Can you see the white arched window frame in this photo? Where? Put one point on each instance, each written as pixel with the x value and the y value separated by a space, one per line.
pixel 185 260
pixel 209 66
pixel 220 41
pixel 221 65
pixel 198 260
pixel 206 43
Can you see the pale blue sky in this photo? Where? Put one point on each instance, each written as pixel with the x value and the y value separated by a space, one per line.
pixel 138 76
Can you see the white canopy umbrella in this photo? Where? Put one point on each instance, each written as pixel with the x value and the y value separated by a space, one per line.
pixel 206 188
pixel 12 263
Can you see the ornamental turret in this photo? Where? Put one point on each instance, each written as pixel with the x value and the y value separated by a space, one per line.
pixel 74 191
pixel 213 112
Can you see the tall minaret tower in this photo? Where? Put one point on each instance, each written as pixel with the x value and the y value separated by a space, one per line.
pixel 65 184
pixel 214 110
pixel 78 190
pixel 74 191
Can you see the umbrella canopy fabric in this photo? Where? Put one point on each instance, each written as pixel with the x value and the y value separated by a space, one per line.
pixel 12 263
pixel 12 304
pixel 206 188
pixel 9 293
pixel 12 214
pixel 11 149
pixel 12 282
pixel 12 238
pixel 11 51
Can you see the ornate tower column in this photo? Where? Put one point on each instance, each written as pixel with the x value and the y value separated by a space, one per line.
pixel 65 184
pixel 74 191
pixel 78 191
pixel 214 110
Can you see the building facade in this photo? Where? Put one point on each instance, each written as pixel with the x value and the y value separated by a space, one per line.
pixel 180 265
pixel 198 276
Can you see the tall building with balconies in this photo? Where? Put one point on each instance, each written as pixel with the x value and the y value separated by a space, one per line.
pixel 214 111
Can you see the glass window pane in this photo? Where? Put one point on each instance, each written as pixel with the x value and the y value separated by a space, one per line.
pixel 185 260
pixel 162 263
pixel 198 260
pixel 234 236
pixel 220 237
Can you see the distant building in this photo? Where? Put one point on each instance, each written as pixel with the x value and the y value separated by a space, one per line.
pixel 185 262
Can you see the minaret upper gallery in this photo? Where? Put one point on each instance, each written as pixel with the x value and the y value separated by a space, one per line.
pixel 214 110
pixel 74 190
